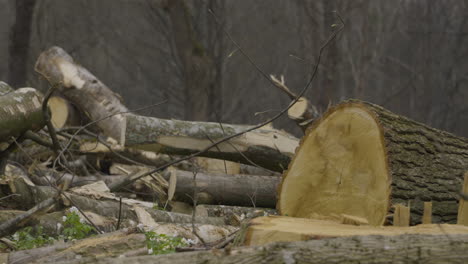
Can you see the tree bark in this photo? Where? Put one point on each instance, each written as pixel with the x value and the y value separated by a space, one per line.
pixel 20 111
pixel 365 249
pixel 82 88
pixel 268 148
pixel 263 230
pixel 359 159
pixel 236 189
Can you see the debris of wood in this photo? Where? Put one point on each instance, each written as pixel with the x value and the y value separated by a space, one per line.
pixel 358 157
pixel 86 92
pixel 20 111
pixel 269 229
pixel 106 245
pixel 217 166
pixel 462 218
pixel 223 210
pixel 351 167
pixel 427 215
pixel 269 148
pixel 413 248
pixel 401 215
pixel 10 226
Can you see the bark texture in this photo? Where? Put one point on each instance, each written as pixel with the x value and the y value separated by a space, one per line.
pixel 20 111
pixel 238 189
pixel 365 249
pixel 82 88
pixel 361 159
pixel 268 148
pixel 425 165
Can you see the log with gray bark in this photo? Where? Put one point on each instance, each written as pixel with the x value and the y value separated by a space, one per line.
pixel 267 147
pixel 20 111
pixel 82 88
pixel 220 188
pixel 356 249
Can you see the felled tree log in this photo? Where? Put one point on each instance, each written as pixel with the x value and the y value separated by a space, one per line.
pixel 110 245
pixel 359 159
pixel 20 111
pixel 82 88
pixel 236 189
pixel 268 148
pixel 356 249
pixel 263 230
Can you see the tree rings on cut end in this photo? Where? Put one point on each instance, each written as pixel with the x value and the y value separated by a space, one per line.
pixel 340 168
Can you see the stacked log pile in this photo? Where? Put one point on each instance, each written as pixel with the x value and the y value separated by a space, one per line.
pixel 358 169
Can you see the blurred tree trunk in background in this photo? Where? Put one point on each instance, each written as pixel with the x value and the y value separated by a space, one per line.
pixel 19 42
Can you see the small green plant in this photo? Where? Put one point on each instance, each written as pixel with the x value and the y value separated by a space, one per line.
pixel 157 207
pixel 162 244
pixel 27 238
pixel 74 227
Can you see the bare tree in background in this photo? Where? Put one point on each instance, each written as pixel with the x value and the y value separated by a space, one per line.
pixel 197 44
pixel 19 42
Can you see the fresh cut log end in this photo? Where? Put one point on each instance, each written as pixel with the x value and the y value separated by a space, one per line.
pixel 339 168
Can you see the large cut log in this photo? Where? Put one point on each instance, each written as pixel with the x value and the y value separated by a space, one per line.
pixel 82 88
pixel 266 147
pixel 220 188
pixel 20 111
pixel 365 249
pixel 263 230
pixel 360 159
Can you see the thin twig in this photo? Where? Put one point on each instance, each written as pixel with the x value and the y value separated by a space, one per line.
pixel 120 214
pixel 306 87
pixel 194 211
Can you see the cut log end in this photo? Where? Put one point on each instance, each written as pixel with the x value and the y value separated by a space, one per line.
pixel 339 168
pixel 60 111
pixel 299 110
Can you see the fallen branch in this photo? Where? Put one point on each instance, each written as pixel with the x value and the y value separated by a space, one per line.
pixel 238 189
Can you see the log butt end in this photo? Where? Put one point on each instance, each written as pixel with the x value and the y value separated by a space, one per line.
pixel 340 167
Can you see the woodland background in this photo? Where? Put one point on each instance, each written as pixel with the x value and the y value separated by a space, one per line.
pixel 406 55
